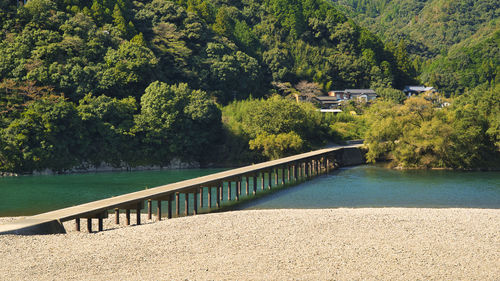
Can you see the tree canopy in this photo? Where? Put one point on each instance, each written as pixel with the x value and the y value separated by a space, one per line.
pixel 138 82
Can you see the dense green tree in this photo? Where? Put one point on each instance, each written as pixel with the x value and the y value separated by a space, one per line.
pixel 224 23
pixel 173 52
pixel 422 134
pixel 280 63
pixel 390 94
pixel 233 74
pixel 176 121
pixel 99 12
pixel 108 124
pixel 345 126
pixel 118 20
pixel 277 146
pixel 277 126
pixel 128 69
pixel 245 37
pixel 46 135
pixel 289 13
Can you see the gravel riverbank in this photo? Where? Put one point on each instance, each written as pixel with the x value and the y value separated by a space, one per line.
pixel 320 244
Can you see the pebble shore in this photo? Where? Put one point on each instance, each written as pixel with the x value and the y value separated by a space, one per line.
pixel 316 244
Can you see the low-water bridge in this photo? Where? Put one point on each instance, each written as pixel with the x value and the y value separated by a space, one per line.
pixel 267 175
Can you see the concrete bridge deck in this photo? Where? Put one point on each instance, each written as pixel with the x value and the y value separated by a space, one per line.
pixel 49 222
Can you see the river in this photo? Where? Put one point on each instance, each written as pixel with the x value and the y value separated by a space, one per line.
pixel 375 186
pixel 360 186
pixel 29 195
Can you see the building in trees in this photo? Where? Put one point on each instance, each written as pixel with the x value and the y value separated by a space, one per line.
pixel 417 90
pixel 354 94
pixel 328 102
pixel 333 102
pixel 361 94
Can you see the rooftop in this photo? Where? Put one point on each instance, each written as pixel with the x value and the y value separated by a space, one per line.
pixel 417 89
pixel 360 91
pixel 326 98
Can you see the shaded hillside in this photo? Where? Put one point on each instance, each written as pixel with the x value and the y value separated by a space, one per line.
pixel 452 43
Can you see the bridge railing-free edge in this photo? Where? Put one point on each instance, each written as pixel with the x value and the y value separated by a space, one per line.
pixel 209 193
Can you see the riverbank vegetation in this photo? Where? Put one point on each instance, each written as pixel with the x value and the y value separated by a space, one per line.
pixel 422 134
pixel 127 83
pixel 132 83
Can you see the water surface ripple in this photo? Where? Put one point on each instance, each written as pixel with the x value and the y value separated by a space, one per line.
pixel 375 186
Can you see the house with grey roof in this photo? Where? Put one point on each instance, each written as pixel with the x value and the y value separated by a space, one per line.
pixel 354 94
pixel 365 95
pixel 333 102
pixel 416 90
pixel 328 102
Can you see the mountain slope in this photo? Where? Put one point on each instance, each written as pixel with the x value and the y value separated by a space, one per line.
pixel 453 42
pixel 436 24
pixel 136 82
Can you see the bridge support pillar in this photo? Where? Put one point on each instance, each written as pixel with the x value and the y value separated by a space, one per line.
pixel 177 205
pixel 158 210
pixel 209 197
pixel 89 225
pixel 254 183
pixel 238 189
pixel 276 176
pixel 100 225
pixel 201 197
pixel 195 203
pixel 282 176
pixel 247 185
pixel 117 216
pixel 218 195
pixel 170 203
pixel 150 209
pixel 138 213
pixel 127 217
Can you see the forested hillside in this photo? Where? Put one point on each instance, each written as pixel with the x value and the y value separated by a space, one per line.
pixel 467 65
pixel 429 25
pixel 129 83
pixel 442 36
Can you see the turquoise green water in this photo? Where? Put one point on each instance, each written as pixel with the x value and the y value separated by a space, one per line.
pixel 361 186
pixel 374 186
pixel 28 195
